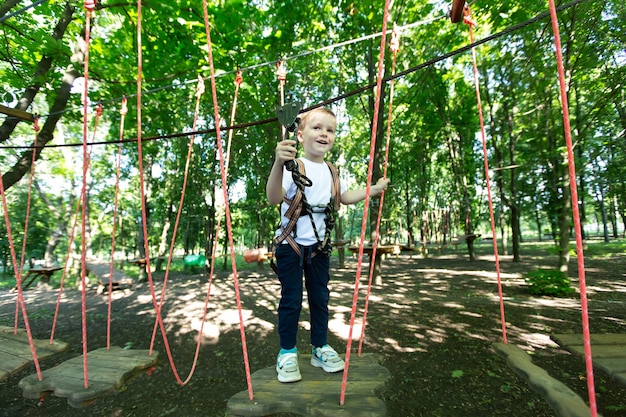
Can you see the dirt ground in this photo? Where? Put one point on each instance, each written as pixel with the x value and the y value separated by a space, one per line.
pixel 432 322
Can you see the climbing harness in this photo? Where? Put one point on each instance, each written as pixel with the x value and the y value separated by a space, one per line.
pixel 298 205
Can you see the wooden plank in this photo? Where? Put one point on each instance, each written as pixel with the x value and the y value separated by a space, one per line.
pixel 107 370
pixel 20 114
pixel 102 271
pixel 318 393
pixel 608 351
pixel 16 354
pixel 595 339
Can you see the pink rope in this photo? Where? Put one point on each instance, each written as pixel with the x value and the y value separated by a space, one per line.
pixel 18 277
pixel 394 45
pixel 27 217
pixel 226 203
pixel 123 112
pixel 381 62
pixel 576 214
pixel 83 270
pixel 199 92
pixel 468 20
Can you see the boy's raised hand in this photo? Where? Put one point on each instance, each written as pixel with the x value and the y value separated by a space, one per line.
pixel 379 187
pixel 286 150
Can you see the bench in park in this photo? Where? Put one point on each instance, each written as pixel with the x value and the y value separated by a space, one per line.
pixel 31 275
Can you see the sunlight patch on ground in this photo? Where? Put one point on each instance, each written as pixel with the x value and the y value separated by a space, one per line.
pixel 396 346
pixel 615 319
pixel 538 302
pixel 538 340
pixel 224 321
pixel 453 305
pixel 471 314
pixel 436 335
pixel 340 327
pixel 607 287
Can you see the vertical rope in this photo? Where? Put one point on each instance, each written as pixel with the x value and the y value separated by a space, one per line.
pixel 226 203
pixel 18 273
pixel 123 112
pixel 281 73
pixel 470 23
pixel 394 45
pixel 90 7
pixel 576 214
pixel 238 81
pixel 159 322
pixel 28 206
pixel 381 62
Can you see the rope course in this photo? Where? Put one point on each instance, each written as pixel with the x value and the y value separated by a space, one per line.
pixel 224 159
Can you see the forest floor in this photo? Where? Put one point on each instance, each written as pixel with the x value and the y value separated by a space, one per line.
pixel 432 322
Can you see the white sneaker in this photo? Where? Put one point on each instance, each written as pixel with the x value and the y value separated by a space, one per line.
pixel 287 367
pixel 327 358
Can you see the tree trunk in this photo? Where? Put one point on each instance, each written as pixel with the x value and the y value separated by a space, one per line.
pixel 22 166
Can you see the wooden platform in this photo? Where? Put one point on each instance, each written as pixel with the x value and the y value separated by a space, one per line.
pixel 108 370
pixel 15 353
pixel 318 393
pixel 608 351
pixel 102 271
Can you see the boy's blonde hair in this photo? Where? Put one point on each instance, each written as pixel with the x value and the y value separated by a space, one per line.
pixel 305 116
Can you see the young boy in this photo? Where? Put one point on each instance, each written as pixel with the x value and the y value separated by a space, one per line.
pixel 316 133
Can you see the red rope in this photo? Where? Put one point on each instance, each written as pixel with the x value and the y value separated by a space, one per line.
pixel 394 45
pixel 470 23
pixel 123 112
pixel 83 269
pixel 226 203
pixel 281 73
pixel 381 62
pixel 72 235
pixel 199 92
pixel 18 269
pixel 28 206
pixel 238 81
pixel 576 214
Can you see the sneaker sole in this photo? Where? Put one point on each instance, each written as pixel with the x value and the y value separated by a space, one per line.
pixel 288 380
pixel 325 367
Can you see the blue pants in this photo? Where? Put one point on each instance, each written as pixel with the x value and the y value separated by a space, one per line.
pixel 316 271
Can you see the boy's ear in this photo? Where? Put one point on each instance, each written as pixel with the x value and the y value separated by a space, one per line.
pixel 299 134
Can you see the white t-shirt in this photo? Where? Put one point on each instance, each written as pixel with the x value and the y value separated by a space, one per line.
pixel 318 195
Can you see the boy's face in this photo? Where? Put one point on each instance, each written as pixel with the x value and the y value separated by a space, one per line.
pixel 318 135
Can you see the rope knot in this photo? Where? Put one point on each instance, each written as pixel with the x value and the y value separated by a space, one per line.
pixel 281 71
pixel 124 108
pixel 200 86
pixel 99 110
pixel 238 78
pixel 36 126
pixel 90 5
pixel 467 17
pixel 394 43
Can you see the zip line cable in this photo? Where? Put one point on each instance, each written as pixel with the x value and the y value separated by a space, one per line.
pixel 269 63
pixel 22 10
pixel 335 99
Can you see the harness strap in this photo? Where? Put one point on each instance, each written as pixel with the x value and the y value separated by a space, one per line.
pixel 298 207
